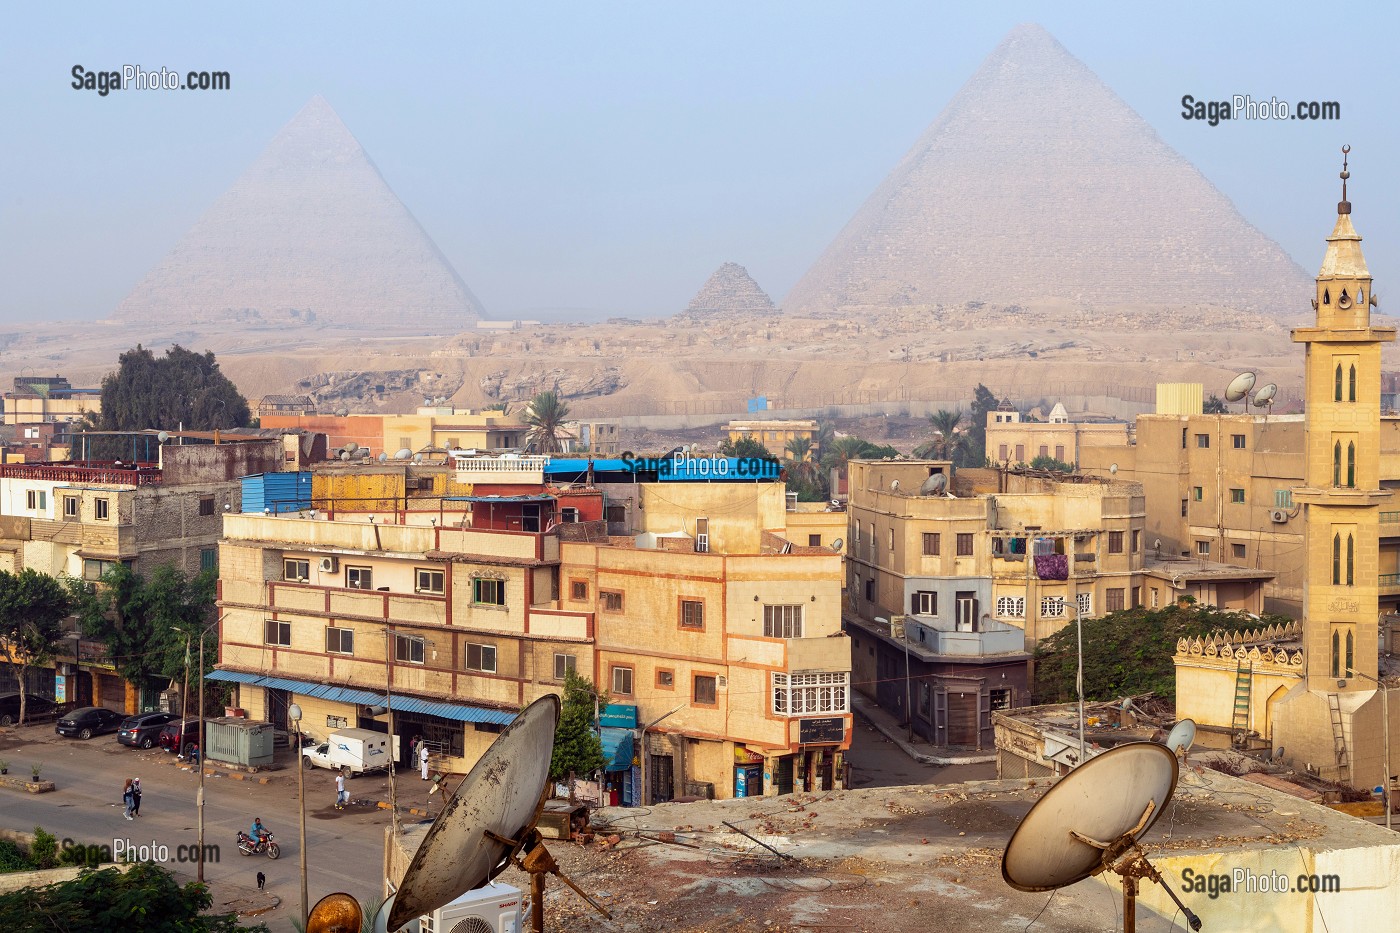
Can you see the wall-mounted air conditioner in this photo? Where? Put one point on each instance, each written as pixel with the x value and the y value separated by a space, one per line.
pixel 1278 516
pixel 495 908
pixel 329 565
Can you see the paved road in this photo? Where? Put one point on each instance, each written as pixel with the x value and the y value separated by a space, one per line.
pixel 344 848
pixel 878 762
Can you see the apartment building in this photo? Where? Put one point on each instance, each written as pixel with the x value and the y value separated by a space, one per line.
pixel 1011 440
pixel 48 400
pixel 428 428
pixel 774 434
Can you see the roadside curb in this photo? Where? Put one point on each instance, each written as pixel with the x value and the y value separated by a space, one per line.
pixel 921 757
pixel 385 805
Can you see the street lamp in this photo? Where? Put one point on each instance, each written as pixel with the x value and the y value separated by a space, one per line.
pixel 1079 677
pixel 294 715
pixel 1385 724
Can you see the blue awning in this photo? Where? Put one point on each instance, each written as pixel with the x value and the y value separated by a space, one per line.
pixel 498 717
pixel 401 704
pixel 617 749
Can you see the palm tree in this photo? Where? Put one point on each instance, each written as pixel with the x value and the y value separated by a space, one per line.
pixel 545 414
pixel 826 433
pixel 948 441
pixel 843 450
pixel 799 449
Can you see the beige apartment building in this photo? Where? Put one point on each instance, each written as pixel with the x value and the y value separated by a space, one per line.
pixel 773 434
pixel 1012 441
pixel 49 399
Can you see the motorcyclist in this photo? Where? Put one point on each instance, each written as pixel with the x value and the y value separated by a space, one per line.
pixel 258 833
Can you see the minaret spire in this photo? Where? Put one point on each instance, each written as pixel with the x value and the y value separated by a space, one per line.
pixel 1344 206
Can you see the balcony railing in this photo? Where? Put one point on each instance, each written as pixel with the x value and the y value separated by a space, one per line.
pixel 1390 517
pixel 1389 579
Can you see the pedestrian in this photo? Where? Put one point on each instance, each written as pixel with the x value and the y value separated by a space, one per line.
pixel 135 796
pixel 128 798
pixel 342 796
pixel 413 748
pixel 423 758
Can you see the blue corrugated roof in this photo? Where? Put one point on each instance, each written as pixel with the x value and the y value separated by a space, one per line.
pixel 453 711
pixel 401 704
pixel 617 749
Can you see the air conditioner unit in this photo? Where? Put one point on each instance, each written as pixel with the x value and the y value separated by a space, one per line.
pixel 329 565
pixel 1278 516
pixel 493 908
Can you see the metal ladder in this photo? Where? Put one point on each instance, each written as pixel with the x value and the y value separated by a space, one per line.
pixel 1338 738
pixel 1244 680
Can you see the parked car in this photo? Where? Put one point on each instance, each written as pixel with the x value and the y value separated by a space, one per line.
pixel 35 707
pixel 141 731
pixel 173 738
pixel 351 751
pixel 89 721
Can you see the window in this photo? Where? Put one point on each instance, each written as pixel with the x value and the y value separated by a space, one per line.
pixel 1084 603
pixel 1237 441
pixel 932 543
pixel 481 658
pixel 359 578
pixel 702 536
pixel 1060 452
pixel 1237 551
pixel 97 569
pixel 1351 395
pixel 870 590
pixel 1115 542
pixel 1045 450
pixel 1113 599
pixel 705 691
pixel 1183 438
pixel 208 559
pixel 37 499
pixel 340 641
pixel 1001 699
pixel 1203 441
pixel 1337 576
pixel 408 648
pixel 277 633
pixel 1197 493
pixel 782 621
pixel 924 602
pixel 1001 453
pixel 296 570
pixel 1237 496
pixel 428 580
pixel 891 536
pixel 965 611
pixel 1338 668
pixel 1011 607
pixel 1337 393
pixel 610 600
pixel 665 678
pixel 692 614
pixel 568 515
pixel 1020 453
pixel 805 694
pixel 964 544
pixel 1137 541
pixel 1203 548
pixel 70 506
pixel 1156 595
pixel 563 664
pixel 1183 508
pixel 578 590
pixel 622 681
pixel 206 505
pixel 1283 498
pixel 1052 607
pixel 100 509
pixel 814 540
pixel 488 592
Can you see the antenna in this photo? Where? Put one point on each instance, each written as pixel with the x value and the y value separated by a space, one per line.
pixel 1239 387
pixel 1091 821
pixel 1180 739
pixel 1265 396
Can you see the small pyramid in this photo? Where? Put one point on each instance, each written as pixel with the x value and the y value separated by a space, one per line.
pixel 310 229
pixel 1038 184
pixel 731 288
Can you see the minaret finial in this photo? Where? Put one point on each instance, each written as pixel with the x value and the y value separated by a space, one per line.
pixel 1344 206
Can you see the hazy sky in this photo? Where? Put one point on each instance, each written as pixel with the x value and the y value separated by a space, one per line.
pixel 608 157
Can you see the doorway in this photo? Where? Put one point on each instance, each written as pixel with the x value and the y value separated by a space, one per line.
pixel 662 778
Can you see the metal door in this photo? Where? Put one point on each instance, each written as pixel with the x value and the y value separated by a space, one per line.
pixel 662 778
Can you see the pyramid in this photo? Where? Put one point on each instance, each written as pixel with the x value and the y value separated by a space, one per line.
pixel 311 229
pixel 730 288
pixel 1038 185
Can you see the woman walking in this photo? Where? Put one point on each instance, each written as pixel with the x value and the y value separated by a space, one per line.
pixel 135 796
pixel 128 798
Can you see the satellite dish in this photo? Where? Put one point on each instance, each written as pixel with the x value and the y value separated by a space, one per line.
pixel 935 485
pixel 1239 387
pixel 383 457
pixel 1091 821
pixel 1182 736
pixel 1266 394
pixel 163 437
pixel 403 453
pixel 489 823
pixel 837 544
pixel 381 919
pixel 345 455
pixel 1113 468
pixel 894 485
pixel 335 913
pixel 352 446
pixel 342 412
pixel 417 458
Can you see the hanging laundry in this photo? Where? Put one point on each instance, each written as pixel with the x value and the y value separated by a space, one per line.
pixel 1052 566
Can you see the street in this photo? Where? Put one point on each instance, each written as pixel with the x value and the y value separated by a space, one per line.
pixel 878 762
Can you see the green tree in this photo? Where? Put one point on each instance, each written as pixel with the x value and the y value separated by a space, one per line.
pixel 182 387
pixel 577 747
pixel 1214 405
pixel 983 403
pixel 1050 463
pixel 821 440
pixel 144 899
pixel 843 450
pixel 545 414
pixel 949 441
pixel 746 446
pixel 32 608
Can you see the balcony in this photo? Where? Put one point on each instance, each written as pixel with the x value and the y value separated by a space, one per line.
pixel 939 637
pixel 1389 584
pixel 523 470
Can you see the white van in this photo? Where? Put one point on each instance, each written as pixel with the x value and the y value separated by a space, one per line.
pixel 351 751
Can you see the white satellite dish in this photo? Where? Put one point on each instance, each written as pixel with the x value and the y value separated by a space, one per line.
pixel 163 437
pixel 417 458
pixel 1181 738
pixel 837 544
pixel 352 446
pixel 1239 387
pixel 935 485
pixel 1266 394
pixel 894 485
pixel 345 455
pixel 1091 821
pixel 383 457
pixel 403 453
pixel 1113 468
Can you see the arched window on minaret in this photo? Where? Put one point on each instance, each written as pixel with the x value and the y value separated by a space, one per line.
pixel 1361 297
pixel 1326 297
pixel 1350 645
pixel 1337 392
pixel 1336 653
pixel 1351 560
pixel 1337 464
pixel 1337 560
pixel 1351 465
pixel 1351 393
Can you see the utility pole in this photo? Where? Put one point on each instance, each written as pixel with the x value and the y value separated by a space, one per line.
pixel 389 715
pixel 199 795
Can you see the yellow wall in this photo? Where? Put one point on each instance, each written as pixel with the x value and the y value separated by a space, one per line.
pixel 738 513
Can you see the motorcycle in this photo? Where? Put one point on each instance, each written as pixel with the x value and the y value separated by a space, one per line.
pixel 246 846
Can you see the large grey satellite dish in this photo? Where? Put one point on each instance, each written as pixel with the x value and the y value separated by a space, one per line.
pixel 837 544
pixel 1239 387
pixel 934 485
pixel 1181 738
pixel 403 453
pixel 1265 395
pixel 1091 821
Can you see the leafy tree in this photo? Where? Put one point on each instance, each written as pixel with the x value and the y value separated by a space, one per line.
pixel 33 606
pixel 843 450
pixel 949 441
pixel 983 403
pixel 545 414
pixel 1215 405
pixel 821 440
pixel 745 446
pixel 577 747
pixel 1050 463
pixel 144 899
pixel 180 387
pixel 147 623
pixel 799 449
pixel 1129 652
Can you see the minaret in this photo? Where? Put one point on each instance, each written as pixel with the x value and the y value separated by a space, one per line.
pixel 1341 494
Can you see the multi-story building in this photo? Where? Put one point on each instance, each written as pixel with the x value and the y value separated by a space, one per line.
pixel 773 434
pixel 49 399
pixel 429 428
pixel 1011 440
pixel 720 636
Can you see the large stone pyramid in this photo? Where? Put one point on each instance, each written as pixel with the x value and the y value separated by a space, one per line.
pixel 1038 185
pixel 731 288
pixel 311 229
